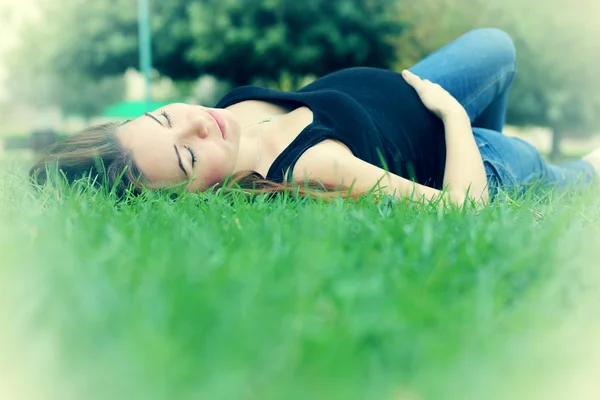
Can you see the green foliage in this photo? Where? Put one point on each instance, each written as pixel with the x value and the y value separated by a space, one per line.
pixel 88 97
pixel 240 40
pixel 216 297
pixel 235 40
pixel 74 95
pixel 45 71
pixel 104 40
pixel 557 85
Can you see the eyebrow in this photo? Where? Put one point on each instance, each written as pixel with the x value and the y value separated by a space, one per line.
pixel 174 146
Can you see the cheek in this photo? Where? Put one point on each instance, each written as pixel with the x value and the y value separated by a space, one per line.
pixel 216 165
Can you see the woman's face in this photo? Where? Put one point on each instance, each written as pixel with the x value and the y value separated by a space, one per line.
pixel 183 143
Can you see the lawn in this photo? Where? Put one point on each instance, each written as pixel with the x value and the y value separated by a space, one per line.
pixel 218 297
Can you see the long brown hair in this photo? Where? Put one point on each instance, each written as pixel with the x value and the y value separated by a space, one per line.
pixel 96 153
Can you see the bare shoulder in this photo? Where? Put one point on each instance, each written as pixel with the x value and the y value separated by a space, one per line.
pixel 321 161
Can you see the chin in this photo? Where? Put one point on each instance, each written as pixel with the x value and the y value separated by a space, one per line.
pixel 231 119
pixel 198 188
pixel 210 182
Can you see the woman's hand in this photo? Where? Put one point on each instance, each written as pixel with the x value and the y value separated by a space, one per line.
pixel 433 96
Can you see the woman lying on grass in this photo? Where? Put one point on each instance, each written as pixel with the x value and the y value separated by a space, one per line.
pixel 347 133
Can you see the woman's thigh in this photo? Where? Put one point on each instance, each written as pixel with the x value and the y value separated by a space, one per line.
pixel 477 69
pixel 514 156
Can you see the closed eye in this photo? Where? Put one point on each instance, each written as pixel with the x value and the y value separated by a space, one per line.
pixel 167 117
pixel 192 155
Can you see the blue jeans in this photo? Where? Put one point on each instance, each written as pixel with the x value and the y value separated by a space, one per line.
pixel 478 69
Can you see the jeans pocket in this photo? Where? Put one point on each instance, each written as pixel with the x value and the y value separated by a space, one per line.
pixel 500 179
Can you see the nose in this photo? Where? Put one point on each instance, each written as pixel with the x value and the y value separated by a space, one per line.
pixel 195 126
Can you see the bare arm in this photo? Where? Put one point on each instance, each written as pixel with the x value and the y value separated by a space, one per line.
pixel 464 167
pixel 326 163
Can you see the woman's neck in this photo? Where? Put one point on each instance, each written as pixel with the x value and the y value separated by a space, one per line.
pixel 277 134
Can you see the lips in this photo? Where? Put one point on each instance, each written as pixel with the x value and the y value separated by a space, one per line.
pixel 219 120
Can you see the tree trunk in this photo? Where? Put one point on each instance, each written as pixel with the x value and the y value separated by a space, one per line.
pixel 556 154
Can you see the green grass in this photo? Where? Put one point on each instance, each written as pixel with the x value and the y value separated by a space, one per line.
pixel 222 298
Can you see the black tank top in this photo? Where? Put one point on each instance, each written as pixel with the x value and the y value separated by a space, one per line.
pixel 374 112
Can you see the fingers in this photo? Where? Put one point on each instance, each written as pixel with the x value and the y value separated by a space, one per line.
pixel 411 78
pixel 416 82
pixel 414 79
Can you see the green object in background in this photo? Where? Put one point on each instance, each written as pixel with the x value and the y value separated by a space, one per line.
pixel 144 35
pixel 133 109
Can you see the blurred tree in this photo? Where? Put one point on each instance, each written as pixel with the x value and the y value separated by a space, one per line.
pixel 42 75
pixel 76 95
pixel 36 82
pixel 88 97
pixel 235 40
pixel 432 24
pixel 558 57
pixel 239 41
pixel 100 38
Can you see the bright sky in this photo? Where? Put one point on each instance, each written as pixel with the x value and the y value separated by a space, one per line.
pixel 13 13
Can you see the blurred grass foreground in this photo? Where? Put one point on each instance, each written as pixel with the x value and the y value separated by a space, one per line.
pixel 216 297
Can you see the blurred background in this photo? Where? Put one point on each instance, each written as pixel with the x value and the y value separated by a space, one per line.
pixel 65 64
